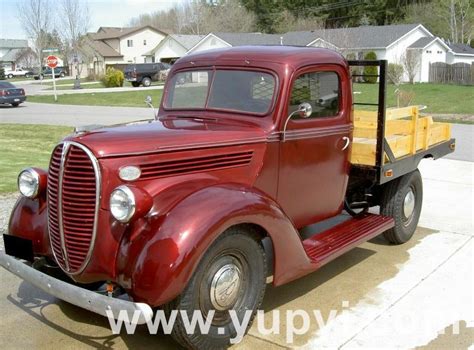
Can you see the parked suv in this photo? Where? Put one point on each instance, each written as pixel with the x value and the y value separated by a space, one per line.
pixel 59 72
pixel 145 73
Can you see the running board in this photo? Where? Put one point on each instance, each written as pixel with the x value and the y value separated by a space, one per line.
pixel 341 238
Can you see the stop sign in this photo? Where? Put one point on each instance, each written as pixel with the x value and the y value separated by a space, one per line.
pixel 52 61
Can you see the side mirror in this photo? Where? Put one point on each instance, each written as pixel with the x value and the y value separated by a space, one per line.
pixel 148 101
pixel 304 111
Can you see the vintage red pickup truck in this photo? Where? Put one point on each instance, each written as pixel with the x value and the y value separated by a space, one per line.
pixel 258 163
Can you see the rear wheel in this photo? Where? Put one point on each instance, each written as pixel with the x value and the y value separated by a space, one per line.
pixel 146 81
pixel 15 104
pixel 135 84
pixel 231 276
pixel 10 76
pixel 402 199
pixel 62 75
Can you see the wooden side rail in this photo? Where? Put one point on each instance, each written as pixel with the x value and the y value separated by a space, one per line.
pixel 405 130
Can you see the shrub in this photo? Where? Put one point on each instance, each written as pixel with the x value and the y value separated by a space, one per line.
pixel 370 70
pixel 113 78
pixel 2 73
pixel 395 73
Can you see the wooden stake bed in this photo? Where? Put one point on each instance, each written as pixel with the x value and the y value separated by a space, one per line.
pixel 405 131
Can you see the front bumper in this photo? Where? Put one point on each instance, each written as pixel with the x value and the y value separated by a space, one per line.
pixel 78 296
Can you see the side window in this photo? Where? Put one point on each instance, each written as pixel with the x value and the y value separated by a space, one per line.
pixel 319 89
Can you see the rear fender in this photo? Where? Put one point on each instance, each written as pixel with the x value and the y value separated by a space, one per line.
pixel 168 254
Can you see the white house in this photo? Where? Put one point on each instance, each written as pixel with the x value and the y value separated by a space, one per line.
pixel 172 47
pixel 112 46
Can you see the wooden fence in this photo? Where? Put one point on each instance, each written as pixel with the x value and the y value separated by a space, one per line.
pixel 457 73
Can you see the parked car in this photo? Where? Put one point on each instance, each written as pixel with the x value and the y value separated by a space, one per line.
pixel 10 94
pixel 145 73
pixel 18 72
pixel 59 72
pixel 225 187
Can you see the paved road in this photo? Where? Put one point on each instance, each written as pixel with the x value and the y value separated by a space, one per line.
pixel 43 113
pixel 406 296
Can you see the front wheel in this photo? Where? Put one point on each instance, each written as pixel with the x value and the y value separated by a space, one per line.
pixel 146 82
pixel 10 76
pixel 62 75
pixel 402 199
pixel 15 104
pixel 230 276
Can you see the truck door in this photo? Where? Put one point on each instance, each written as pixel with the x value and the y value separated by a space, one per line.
pixel 314 164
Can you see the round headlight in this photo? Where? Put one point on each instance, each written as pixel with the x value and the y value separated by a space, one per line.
pixel 122 204
pixel 28 183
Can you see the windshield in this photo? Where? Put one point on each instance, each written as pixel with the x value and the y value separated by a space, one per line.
pixel 235 90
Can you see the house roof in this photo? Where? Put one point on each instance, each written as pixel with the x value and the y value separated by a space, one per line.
pixel 422 42
pixel 13 43
pixel 116 33
pixel 101 47
pixel 353 37
pixel 242 39
pixel 11 55
pixel 186 41
pixel 461 49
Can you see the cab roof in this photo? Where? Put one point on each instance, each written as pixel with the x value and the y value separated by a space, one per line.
pixel 295 56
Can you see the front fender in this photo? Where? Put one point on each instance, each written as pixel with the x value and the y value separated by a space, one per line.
pixel 169 250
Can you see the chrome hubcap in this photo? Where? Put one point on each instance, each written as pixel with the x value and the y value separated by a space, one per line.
pixel 225 287
pixel 409 204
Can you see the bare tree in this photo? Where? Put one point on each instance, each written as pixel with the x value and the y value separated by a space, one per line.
pixel 74 17
pixel 26 58
pixel 198 17
pixel 411 62
pixel 36 20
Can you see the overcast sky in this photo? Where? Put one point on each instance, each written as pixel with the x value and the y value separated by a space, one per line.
pixel 111 13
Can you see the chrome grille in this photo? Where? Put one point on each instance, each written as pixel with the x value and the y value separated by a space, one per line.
pixel 73 194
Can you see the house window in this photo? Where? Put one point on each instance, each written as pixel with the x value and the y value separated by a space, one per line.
pixel 428 51
pixel 320 89
pixel 129 43
pixel 144 42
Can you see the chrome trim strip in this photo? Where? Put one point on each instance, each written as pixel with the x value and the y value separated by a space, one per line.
pixel 60 204
pixel 98 182
pixel 47 210
pixel 188 147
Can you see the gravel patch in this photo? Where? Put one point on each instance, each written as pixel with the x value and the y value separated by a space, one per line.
pixel 6 205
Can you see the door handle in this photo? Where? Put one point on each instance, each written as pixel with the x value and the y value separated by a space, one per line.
pixel 347 142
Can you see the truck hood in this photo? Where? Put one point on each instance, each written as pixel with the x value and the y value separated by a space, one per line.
pixel 167 135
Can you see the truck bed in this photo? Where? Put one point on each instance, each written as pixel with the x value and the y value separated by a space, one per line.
pixel 407 133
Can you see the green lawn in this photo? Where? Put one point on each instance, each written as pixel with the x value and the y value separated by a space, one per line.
pixel 115 99
pixel 439 98
pixel 24 146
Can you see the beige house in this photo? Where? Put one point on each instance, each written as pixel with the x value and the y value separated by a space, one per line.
pixel 112 46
